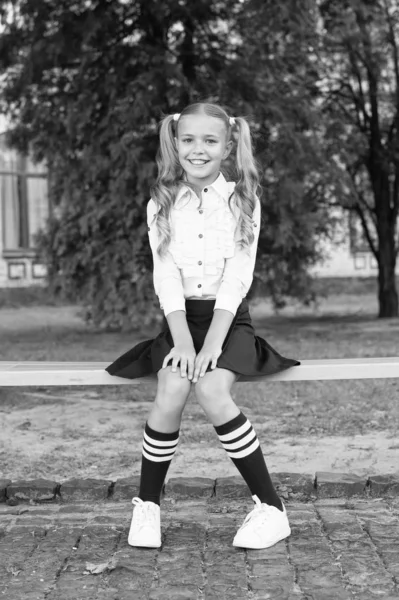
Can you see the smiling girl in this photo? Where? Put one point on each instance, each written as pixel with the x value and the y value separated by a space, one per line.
pixel 203 232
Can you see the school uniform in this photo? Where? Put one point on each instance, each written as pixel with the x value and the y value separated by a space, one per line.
pixel 204 270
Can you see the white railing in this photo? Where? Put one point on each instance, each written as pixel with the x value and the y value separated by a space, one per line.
pixel 14 373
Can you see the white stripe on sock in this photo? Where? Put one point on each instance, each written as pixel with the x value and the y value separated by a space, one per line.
pixel 246 451
pixel 242 442
pixel 160 442
pixel 226 437
pixel 158 450
pixel 156 458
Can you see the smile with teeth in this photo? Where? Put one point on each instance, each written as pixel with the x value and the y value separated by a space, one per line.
pixel 198 161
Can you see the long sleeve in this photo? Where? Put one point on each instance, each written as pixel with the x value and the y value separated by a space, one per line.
pixel 238 271
pixel 167 279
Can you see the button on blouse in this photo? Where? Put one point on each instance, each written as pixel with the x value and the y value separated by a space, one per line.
pixel 208 265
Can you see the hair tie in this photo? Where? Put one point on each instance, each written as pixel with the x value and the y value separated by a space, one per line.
pixel 176 116
pixel 232 121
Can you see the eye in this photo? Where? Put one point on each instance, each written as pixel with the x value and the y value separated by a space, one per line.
pixel 212 141
pixel 186 140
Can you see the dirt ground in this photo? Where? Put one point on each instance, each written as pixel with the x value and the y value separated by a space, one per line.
pixel 82 435
pixel 303 427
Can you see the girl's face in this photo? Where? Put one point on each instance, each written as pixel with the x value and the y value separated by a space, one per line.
pixel 202 146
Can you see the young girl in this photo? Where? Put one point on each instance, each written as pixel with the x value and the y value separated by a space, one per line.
pixel 203 232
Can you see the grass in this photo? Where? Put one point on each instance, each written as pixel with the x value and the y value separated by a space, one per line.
pixel 344 325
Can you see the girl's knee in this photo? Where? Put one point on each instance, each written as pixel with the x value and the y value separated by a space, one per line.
pixel 212 399
pixel 211 389
pixel 173 389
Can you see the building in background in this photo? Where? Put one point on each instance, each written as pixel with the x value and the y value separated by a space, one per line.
pixel 24 209
pixel 351 257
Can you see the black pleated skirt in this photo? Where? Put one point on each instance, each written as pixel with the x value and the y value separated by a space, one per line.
pixel 243 352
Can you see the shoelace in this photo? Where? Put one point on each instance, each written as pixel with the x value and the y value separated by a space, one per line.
pixel 146 512
pixel 260 511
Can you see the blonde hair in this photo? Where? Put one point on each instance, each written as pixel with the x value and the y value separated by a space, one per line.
pixel 170 172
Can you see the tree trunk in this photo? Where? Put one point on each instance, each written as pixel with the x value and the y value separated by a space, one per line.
pixel 386 231
pixel 387 293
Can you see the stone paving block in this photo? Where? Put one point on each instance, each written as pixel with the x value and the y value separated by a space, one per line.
pixel 69 509
pixel 270 587
pixel 78 490
pixel 184 535
pixel 37 490
pixel 372 507
pixel 184 510
pixel 217 590
pixel 126 488
pixel 270 572
pixel 32 521
pixel 231 487
pixel 96 546
pixel 3 487
pixel 322 586
pixel 229 568
pixel 220 532
pixel 268 556
pixel 182 573
pixel 339 484
pixel 384 485
pixel 16 547
pixel 40 569
pixel 294 486
pixel 371 596
pixel 134 572
pixel 212 557
pixel 189 487
pixel 174 592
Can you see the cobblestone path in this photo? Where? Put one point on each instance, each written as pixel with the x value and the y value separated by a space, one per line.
pixel 339 550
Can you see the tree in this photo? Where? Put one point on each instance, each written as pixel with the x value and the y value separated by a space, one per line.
pixel 275 81
pixel 358 57
pixel 87 82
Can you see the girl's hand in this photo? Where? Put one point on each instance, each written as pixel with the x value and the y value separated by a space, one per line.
pixel 209 354
pixel 185 354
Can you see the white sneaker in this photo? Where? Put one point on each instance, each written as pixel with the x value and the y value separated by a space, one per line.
pixel 263 527
pixel 145 528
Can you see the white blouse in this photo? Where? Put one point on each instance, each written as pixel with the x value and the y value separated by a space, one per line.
pixel 204 260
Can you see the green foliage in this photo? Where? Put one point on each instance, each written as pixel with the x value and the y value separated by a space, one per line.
pixel 359 71
pixel 87 83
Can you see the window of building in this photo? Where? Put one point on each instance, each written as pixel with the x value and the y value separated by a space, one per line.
pixel 24 202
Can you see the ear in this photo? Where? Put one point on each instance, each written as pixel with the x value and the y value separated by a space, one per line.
pixel 229 147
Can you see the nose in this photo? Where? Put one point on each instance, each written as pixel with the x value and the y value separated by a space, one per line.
pixel 198 147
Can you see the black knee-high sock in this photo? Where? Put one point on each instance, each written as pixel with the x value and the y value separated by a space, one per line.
pixel 240 441
pixel 158 451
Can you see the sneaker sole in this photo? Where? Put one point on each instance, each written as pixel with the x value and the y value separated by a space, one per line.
pixel 268 545
pixel 141 544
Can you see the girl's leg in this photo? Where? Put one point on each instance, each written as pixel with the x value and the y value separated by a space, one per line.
pixel 236 433
pixel 161 433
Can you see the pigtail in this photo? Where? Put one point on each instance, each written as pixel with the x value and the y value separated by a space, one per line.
pixel 166 186
pixel 167 157
pixel 247 189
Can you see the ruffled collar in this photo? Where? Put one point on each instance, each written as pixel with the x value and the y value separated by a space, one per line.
pixel 187 198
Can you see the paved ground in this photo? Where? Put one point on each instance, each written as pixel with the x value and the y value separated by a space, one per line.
pixel 339 549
